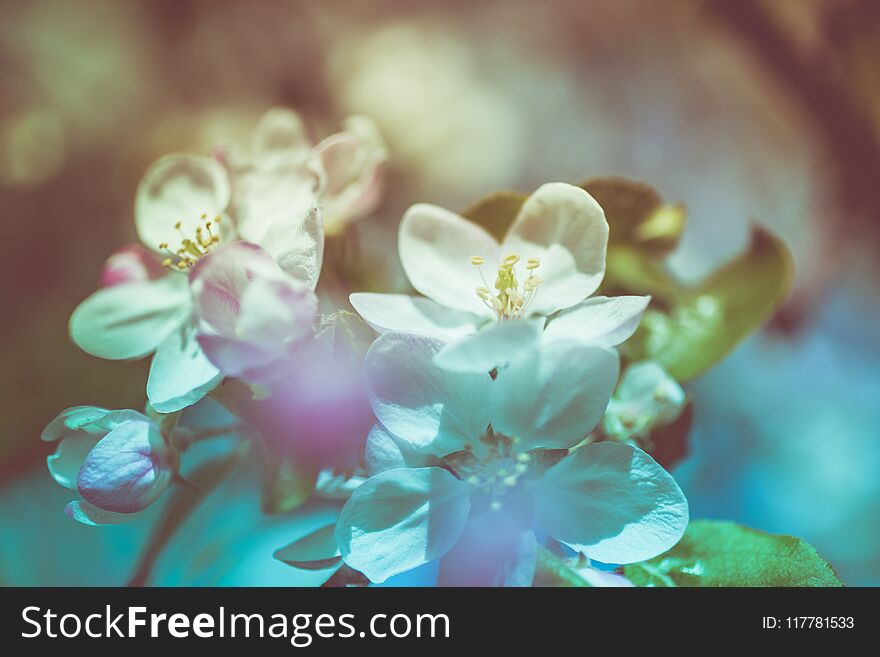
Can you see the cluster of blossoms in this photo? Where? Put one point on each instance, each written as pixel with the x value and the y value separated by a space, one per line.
pixel 498 424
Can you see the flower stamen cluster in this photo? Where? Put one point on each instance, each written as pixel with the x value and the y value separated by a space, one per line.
pixel 191 250
pixel 509 301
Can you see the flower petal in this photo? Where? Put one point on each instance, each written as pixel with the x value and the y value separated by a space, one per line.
pixel 433 410
pixel 491 347
pixel 71 420
pixel 565 228
pixel 353 163
pixel 129 320
pixel 603 321
pixel 401 519
pixel 92 420
pixel 280 137
pixel 277 209
pixel 180 374
pixel 128 469
pixel 179 188
pixel 553 396
pixel 219 280
pixel 83 512
pixel 435 248
pixel 410 314
pixel 385 451
pixel 611 501
pixel 130 264
pixel 298 247
pixel 69 456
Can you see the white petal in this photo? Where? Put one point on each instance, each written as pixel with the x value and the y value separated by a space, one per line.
pixel 612 502
pixel 410 314
pixel 298 247
pixel 276 209
pixel 384 451
pixel 435 248
pixel 179 188
pixel 83 512
pixel 553 396
pixel 68 458
pixel 433 410
pixel 491 347
pixel 603 321
pixel 180 374
pixel 129 320
pixel 280 137
pixel 565 228
pixel 71 420
pixel 401 519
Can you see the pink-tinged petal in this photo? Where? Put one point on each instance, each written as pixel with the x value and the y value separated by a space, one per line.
pixel 242 360
pixel 128 469
pixel 353 163
pixel 565 228
pixel 130 264
pixel 219 279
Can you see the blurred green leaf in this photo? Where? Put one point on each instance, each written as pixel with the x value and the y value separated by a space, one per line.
pixel 551 570
pixel 496 211
pixel 315 551
pixel 721 553
pixel 289 482
pixel 692 328
pixel 636 214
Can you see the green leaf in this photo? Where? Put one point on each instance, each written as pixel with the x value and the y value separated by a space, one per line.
pixel 691 329
pixel 315 551
pixel 720 553
pixel 289 482
pixel 496 212
pixel 636 214
pixel 551 570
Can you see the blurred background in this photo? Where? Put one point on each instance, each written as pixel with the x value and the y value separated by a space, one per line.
pixel 744 110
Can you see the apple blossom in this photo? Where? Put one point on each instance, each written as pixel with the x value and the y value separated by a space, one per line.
pixel 118 461
pixel 461 460
pixel 552 259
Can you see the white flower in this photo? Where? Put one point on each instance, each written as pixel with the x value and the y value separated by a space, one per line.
pixel 462 460
pixel 647 397
pixel 117 460
pixel 181 214
pixel 345 172
pixel 551 260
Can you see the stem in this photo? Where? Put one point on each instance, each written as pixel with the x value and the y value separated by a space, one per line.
pixel 184 500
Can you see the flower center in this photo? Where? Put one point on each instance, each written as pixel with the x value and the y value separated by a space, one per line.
pixel 493 470
pixel 191 248
pixel 507 298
